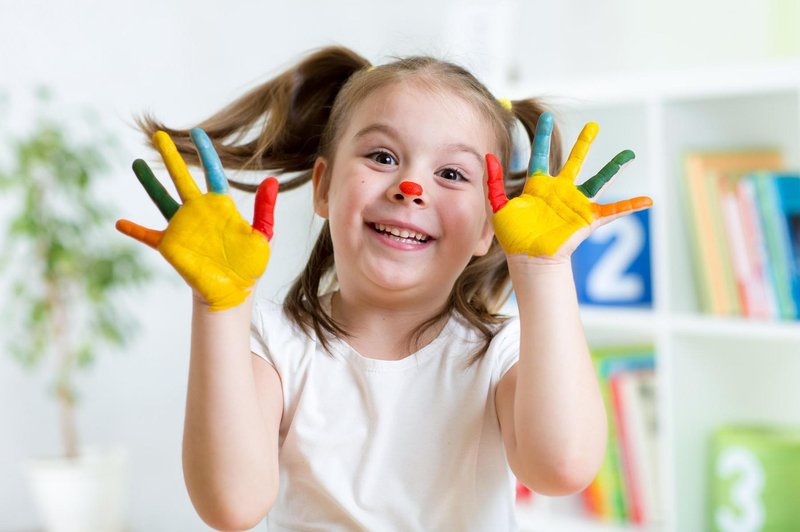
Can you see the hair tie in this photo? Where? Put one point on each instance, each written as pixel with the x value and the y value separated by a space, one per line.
pixel 370 68
pixel 506 103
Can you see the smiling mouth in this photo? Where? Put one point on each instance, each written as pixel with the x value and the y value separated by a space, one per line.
pixel 401 235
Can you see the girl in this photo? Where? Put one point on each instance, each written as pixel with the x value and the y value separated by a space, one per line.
pixel 386 393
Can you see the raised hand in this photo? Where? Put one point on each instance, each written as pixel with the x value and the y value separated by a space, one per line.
pixel 206 240
pixel 553 215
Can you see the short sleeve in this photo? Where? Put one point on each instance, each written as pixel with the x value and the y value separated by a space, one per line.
pixel 504 348
pixel 263 315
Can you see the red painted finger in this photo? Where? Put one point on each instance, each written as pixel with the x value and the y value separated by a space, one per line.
pixel 497 191
pixel 622 207
pixel 144 235
pixel 264 211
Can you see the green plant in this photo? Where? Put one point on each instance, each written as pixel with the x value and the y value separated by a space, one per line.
pixel 63 262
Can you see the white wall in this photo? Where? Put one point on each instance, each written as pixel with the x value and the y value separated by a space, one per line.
pixel 184 59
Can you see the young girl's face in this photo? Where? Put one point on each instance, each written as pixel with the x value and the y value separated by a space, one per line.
pixel 406 132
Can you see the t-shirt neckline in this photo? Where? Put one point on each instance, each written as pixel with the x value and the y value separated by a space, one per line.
pixel 415 359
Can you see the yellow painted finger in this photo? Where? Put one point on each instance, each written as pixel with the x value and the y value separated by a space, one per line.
pixel 579 151
pixel 184 182
pixel 144 235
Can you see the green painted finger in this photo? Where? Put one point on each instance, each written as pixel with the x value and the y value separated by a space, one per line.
pixel 155 189
pixel 593 185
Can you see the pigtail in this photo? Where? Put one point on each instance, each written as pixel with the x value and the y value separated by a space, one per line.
pixel 485 285
pixel 291 111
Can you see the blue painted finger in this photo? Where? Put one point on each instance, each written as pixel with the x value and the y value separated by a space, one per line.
pixel 540 151
pixel 215 175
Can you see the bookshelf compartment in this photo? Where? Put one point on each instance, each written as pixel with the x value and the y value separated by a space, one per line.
pixel 719 382
pixel 726 123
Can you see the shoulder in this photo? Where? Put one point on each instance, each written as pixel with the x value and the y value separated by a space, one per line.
pixel 504 348
pixel 273 335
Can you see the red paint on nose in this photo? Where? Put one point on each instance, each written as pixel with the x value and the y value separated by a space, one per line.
pixel 412 189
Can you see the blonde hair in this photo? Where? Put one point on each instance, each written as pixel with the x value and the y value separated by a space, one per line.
pixel 300 114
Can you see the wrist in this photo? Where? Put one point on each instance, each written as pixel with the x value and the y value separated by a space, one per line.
pixel 537 265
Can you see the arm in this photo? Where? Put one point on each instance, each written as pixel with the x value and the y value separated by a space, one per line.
pixel 233 412
pixel 549 404
pixel 234 401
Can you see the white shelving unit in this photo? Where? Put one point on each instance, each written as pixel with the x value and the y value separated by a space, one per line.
pixel 712 370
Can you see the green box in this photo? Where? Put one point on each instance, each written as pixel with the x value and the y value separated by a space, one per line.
pixel 755 479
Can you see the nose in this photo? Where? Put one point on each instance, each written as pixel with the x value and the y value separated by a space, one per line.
pixel 409 189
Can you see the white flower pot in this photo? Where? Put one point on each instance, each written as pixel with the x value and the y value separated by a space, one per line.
pixel 86 494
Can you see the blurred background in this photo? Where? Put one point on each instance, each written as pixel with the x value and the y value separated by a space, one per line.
pixel 182 60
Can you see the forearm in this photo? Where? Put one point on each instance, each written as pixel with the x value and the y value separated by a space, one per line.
pixel 228 469
pixel 559 418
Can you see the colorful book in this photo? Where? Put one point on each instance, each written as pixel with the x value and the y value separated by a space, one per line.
pixel 716 282
pixel 774 222
pixel 765 303
pixel 608 492
pixel 787 188
pixel 634 394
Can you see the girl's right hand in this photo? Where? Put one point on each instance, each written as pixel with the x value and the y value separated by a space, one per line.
pixel 206 240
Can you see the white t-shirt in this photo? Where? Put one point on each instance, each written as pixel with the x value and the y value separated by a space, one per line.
pixel 378 445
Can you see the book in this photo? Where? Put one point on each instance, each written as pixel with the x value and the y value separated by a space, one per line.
pixel 787 188
pixel 634 396
pixel 716 283
pixel 608 493
pixel 774 223
pixel 764 301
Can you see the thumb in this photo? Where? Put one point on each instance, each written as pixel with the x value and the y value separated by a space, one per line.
pixel 264 210
pixel 497 191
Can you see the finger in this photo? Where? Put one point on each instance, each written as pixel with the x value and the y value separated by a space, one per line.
pixel 212 166
pixel 155 189
pixel 187 188
pixel 497 191
pixel 264 211
pixel 579 151
pixel 144 235
pixel 612 211
pixel 595 184
pixel 540 151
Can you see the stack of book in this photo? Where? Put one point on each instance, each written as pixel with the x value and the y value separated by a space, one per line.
pixel 744 221
pixel 626 489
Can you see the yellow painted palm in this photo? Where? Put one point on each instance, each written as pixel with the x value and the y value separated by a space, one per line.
pixel 553 214
pixel 206 240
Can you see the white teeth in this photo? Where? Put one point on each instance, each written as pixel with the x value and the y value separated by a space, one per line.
pixel 402 233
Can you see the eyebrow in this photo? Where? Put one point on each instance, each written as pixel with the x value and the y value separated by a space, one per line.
pixel 391 132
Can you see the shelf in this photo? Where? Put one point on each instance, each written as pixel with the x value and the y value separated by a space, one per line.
pixel 735 327
pixel 676 85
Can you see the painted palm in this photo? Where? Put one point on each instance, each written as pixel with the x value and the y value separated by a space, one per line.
pixel 553 214
pixel 206 240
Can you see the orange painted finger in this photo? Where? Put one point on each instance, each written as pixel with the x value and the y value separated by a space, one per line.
pixel 176 166
pixel 621 207
pixel 579 151
pixel 144 235
pixel 497 191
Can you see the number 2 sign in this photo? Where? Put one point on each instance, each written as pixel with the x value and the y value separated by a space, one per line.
pixel 612 266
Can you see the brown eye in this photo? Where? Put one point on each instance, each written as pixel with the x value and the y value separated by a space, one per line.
pixel 383 157
pixel 451 174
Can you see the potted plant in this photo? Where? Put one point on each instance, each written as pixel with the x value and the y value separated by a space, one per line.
pixel 65 268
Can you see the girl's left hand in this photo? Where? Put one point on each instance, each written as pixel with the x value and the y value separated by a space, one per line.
pixel 553 215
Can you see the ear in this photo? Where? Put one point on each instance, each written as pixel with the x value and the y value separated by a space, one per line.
pixel 485 241
pixel 321 184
